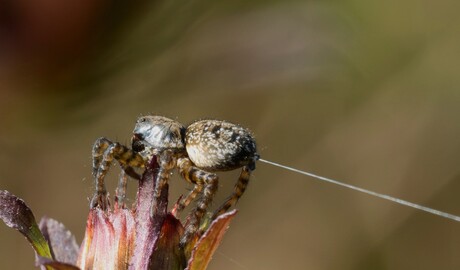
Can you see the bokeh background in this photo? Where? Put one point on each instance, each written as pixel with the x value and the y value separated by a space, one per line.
pixel 362 91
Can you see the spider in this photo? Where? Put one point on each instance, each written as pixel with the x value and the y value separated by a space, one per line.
pixel 197 151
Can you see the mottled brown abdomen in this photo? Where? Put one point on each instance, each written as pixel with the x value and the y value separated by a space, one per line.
pixel 220 146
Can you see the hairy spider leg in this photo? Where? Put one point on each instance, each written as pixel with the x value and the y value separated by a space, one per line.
pixel 166 162
pixel 184 202
pixel 197 189
pixel 208 183
pixel 101 164
pixel 238 191
pixel 129 170
pixel 120 192
pixel 99 148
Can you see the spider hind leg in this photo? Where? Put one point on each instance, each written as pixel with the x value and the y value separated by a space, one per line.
pixel 238 191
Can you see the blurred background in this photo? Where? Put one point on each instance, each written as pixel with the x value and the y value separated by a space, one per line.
pixel 362 91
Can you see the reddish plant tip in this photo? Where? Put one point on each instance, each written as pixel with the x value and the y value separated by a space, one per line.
pixel 14 212
pixel 145 236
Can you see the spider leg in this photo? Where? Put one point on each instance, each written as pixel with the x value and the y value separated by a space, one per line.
pixel 166 162
pixel 197 188
pixel 184 202
pixel 99 148
pixel 104 152
pixel 120 192
pixel 207 183
pixel 130 171
pixel 238 191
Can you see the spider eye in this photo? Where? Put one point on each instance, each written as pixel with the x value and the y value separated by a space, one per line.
pixel 137 145
pixel 138 137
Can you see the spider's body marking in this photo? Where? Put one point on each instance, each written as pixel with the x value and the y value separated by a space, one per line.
pixel 219 146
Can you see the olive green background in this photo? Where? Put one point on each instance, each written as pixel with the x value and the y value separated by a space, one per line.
pixel 362 91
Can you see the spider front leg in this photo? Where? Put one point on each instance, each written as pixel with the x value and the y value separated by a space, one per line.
pixel 120 192
pixel 104 152
pixel 166 162
pixel 207 186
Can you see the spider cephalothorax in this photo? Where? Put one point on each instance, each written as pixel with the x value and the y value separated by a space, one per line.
pixel 154 134
pixel 204 147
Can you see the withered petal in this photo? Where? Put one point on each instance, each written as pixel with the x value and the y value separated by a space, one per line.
pixel 97 250
pixel 108 241
pixel 209 241
pixel 62 242
pixel 167 254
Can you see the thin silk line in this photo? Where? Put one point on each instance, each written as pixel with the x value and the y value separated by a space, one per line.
pixel 232 260
pixel 369 192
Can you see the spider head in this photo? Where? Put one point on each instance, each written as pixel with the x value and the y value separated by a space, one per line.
pixel 153 134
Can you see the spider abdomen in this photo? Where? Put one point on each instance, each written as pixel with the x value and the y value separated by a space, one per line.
pixel 219 145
